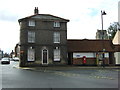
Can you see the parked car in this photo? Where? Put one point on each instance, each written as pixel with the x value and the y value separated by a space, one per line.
pixel 11 59
pixel 16 59
pixel 5 61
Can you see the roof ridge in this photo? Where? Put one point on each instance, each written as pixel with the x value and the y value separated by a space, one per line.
pixel 42 14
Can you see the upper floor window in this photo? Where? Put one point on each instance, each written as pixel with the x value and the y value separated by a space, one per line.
pixel 31 37
pixel 56 24
pixel 31 23
pixel 56 37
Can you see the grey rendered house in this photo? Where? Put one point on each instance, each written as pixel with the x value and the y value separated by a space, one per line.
pixel 43 40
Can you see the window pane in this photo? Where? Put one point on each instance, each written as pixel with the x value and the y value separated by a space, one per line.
pixel 56 37
pixel 31 54
pixel 31 37
pixel 31 23
pixel 56 55
pixel 56 24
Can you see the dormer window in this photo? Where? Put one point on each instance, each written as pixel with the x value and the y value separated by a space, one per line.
pixel 56 24
pixel 31 23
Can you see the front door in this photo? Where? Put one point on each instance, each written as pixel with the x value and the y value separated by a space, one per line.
pixel 44 56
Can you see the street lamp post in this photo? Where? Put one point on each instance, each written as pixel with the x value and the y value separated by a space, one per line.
pixel 103 55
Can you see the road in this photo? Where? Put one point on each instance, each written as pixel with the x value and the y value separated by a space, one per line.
pixel 13 77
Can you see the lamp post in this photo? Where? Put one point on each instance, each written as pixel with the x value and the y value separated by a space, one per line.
pixel 103 50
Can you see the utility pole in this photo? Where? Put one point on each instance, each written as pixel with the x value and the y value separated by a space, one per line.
pixel 103 50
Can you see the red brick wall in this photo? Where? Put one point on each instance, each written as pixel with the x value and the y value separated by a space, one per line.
pixel 89 61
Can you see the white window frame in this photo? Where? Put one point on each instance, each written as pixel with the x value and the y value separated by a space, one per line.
pixel 56 54
pixel 31 54
pixel 31 37
pixel 56 37
pixel 31 23
pixel 56 24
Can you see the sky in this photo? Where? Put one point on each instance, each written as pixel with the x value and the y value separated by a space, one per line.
pixel 84 16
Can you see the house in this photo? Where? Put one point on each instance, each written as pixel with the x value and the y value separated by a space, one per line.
pixel 92 50
pixel 17 50
pixel 43 40
pixel 12 54
pixel 116 42
pixel 1 54
pixel 116 39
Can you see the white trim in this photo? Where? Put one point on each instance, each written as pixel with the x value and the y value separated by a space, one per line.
pixel 42 56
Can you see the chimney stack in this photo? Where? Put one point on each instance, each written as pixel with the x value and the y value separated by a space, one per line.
pixel 36 11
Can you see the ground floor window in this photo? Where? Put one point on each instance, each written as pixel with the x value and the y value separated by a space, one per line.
pixel 31 54
pixel 56 54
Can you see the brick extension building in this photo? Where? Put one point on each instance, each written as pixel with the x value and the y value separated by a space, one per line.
pixel 92 50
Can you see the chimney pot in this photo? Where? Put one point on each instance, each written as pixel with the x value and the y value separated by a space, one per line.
pixel 36 11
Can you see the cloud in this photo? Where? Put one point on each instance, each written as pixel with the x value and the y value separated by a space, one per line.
pixel 84 16
pixel 9 35
pixel 7 16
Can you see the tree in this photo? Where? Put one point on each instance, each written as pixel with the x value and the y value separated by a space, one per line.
pixel 6 55
pixel 112 29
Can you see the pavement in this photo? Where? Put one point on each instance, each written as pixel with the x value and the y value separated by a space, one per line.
pixel 67 67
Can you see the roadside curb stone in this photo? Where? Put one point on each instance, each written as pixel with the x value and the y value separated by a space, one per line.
pixel 59 68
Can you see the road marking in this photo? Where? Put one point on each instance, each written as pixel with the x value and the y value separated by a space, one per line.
pixel 102 77
pixel 117 70
pixel 67 74
pixel 24 68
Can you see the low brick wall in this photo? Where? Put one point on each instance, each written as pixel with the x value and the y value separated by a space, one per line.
pixel 89 61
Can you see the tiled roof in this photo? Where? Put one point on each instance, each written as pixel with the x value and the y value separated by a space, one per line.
pixel 44 17
pixel 86 45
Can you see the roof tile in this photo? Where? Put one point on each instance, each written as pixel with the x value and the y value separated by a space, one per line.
pixel 86 45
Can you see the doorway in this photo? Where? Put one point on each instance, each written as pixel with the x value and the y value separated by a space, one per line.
pixel 44 56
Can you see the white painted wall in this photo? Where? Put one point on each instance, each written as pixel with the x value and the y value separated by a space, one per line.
pixel 88 55
pixel 117 57
pixel 119 11
pixel 80 55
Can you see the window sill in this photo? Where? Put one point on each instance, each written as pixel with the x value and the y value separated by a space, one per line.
pixel 56 60
pixel 56 42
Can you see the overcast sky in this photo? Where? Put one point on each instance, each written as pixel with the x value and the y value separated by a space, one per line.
pixel 84 16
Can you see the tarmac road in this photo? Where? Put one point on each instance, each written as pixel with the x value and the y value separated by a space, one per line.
pixel 45 77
